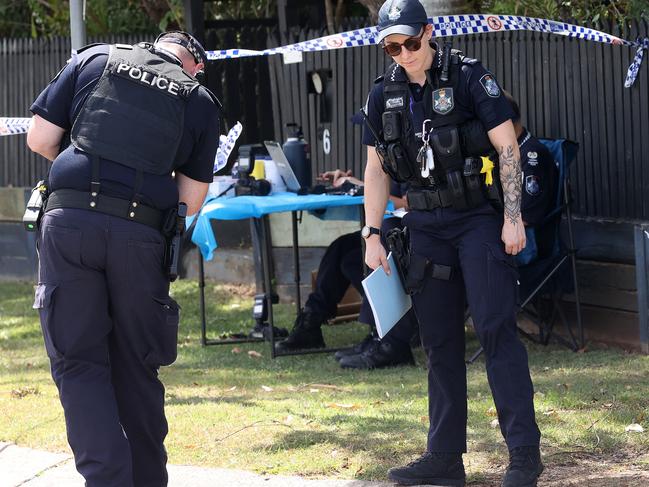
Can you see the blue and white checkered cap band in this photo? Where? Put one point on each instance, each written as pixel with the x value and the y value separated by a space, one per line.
pixel 13 126
pixel 449 26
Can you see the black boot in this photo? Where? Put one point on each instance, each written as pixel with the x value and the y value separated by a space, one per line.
pixel 306 333
pixel 378 354
pixel 444 469
pixel 524 468
pixel 356 349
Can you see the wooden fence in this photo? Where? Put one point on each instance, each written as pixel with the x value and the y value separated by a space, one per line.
pixel 566 88
pixel 27 65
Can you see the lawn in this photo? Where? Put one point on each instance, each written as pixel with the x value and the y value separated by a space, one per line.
pixel 304 415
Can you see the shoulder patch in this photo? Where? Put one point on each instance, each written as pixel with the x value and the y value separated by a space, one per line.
pixel 490 86
pixel 532 185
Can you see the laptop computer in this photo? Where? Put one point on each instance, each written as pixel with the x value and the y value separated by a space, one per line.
pixel 283 167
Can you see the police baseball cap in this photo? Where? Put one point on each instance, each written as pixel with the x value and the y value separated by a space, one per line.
pixel 185 40
pixel 401 17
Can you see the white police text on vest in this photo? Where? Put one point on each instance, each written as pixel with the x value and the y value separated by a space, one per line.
pixel 148 78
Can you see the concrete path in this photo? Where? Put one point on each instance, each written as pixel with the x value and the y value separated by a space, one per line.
pixel 24 467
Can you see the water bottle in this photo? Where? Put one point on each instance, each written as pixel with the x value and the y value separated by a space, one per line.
pixel 298 155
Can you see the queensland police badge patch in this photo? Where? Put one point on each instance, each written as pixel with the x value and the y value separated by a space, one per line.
pixel 443 100
pixel 532 185
pixel 490 86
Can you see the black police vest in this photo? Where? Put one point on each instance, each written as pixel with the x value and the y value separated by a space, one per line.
pixel 135 114
pixel 454 171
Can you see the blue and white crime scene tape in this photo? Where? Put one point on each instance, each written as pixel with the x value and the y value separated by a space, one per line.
pixel 444 26
pixel 226 145
pixel 450 26
pixel 13 125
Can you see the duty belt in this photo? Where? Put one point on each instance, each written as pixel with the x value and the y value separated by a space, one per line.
pixel 70 198
pixel 428 199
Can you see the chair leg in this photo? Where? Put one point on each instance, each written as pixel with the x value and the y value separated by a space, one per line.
pixel 475 356
pixel 572 344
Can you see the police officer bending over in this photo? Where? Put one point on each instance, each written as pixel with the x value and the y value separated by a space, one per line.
pixel 134 115
pixel 461 247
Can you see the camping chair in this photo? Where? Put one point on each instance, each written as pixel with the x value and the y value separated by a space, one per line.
pixel 553 274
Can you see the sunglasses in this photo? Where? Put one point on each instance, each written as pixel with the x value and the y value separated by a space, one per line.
pixel 412 44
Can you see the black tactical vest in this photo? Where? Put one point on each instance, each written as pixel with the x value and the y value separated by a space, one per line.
pixel 453 171
pixel 135 113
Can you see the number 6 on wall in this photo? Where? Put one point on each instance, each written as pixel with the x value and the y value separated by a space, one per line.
pixel 326 141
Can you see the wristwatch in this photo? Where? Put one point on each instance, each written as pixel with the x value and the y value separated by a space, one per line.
pixel 366 231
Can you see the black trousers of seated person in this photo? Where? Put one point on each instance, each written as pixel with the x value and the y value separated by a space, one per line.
pixel 342 266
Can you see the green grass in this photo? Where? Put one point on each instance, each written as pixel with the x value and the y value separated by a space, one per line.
pixel 304 415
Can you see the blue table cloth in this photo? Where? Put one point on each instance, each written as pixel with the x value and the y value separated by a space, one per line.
pixel 337 207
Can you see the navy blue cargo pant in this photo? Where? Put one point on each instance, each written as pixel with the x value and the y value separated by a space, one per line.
pixel 108 324
pixel 483 275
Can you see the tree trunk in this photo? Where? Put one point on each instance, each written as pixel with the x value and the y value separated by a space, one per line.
pixel 372 7
pixel 340 13
pixel 446 7
pixel 329 12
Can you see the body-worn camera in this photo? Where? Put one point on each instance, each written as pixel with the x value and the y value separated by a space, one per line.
pixel 391 126
pixel 35 207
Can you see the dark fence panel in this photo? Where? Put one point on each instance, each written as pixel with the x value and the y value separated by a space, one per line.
pixel 566 88
pixel 242 85
pixel 27 65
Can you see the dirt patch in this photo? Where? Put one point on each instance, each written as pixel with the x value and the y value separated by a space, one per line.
pixel 241 290
pixel 579 469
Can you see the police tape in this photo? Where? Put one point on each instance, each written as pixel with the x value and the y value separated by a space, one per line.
pixel 226 146
pixel 444 26
pixel 16 125
pixel 13 125
pixel 450 26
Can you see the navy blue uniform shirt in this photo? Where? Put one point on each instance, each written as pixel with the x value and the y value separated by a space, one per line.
pixel 474 98
pixel 540 176
pixel 60 104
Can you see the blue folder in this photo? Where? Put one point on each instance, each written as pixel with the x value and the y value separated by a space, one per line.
pixel 386 296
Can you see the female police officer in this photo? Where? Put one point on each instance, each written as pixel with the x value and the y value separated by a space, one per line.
pixel 460 243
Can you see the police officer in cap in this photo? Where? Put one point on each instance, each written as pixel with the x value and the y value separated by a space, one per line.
pixel 142 136
pixel 462 242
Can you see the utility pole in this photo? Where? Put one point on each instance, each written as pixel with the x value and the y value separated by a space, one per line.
pixel 77 24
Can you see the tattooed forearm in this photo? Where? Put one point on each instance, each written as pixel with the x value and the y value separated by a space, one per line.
pixel 511 180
